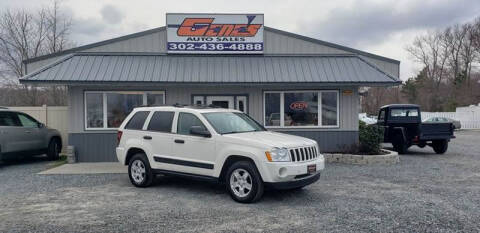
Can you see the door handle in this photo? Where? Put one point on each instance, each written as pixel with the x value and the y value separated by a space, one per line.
pixel 28 131
pixel 147 137
pixel 179 141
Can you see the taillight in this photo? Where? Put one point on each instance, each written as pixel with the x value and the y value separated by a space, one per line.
pixel 119 136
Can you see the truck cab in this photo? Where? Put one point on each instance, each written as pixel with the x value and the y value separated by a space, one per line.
pixel 403 127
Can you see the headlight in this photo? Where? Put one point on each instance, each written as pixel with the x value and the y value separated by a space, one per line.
pixel 278 155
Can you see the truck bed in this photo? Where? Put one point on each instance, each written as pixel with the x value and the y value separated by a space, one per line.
pixel 436 131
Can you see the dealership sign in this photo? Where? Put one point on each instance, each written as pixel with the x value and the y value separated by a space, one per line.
pixel 215 33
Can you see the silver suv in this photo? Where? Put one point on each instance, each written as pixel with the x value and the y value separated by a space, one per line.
pixel 21 135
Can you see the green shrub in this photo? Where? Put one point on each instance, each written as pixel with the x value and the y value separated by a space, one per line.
pixel 370 137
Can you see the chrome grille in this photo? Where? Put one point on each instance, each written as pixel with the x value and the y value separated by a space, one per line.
pixel 303 153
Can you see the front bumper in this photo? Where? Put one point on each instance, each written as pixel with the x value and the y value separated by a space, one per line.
pixel 276 172
pixel 294 184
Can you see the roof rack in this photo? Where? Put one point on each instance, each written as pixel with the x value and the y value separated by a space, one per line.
pixel 177 105
pixel 203 106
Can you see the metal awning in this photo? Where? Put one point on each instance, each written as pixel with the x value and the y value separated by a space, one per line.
pixel 218 69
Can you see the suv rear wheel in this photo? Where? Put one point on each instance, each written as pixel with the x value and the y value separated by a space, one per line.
pixel 53 150
pixel 139 171
pixel 244 183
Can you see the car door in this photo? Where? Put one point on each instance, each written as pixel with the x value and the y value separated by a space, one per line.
pixel 193 154
pixel 12 135
pixel 159 129
pixel 34 135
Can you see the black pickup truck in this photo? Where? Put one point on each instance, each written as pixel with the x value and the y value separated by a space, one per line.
pixel 403 128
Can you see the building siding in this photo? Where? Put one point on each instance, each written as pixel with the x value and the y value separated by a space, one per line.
pixel 331 141
pixel 94 147
pixel 276 43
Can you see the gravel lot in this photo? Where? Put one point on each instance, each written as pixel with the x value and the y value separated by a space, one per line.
pixel 424 193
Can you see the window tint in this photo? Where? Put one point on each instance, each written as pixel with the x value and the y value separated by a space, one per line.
pixel 186 121
pixel 137 120
pixel 9 119
pixel 408 112
pixel 161 122
pixel 27 121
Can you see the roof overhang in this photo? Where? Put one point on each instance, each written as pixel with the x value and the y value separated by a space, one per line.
pixel 147 69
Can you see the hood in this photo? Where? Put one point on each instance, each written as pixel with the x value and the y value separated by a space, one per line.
pixel 271 139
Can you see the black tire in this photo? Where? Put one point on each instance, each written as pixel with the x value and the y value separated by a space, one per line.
pixel 53 150
pixel 254 179
pixel 137 177
pixel 440 146
pixel 399 144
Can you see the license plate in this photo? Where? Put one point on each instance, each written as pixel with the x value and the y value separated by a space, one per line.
pixel 312 168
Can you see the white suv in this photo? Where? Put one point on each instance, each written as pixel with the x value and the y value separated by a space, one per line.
pixel 215 144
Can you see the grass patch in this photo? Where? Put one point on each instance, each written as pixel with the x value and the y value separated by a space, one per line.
pixel 61 161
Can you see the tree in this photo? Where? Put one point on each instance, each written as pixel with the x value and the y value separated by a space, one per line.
pixel 25 35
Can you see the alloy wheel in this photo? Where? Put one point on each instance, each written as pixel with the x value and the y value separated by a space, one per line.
pixel 241 182
pixel 137 171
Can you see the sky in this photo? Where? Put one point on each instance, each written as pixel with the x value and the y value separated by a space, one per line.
pixel 383 27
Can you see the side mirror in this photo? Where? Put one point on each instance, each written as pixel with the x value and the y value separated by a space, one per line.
pixel 200 131
pixel 41 125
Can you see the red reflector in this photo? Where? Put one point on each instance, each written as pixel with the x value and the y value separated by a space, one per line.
pixel 119 136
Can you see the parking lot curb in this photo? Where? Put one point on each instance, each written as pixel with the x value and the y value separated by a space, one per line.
pixel 391 157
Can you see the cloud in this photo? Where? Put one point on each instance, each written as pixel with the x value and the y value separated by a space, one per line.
pixel 111 14
pixel 368 22
pixel 89 26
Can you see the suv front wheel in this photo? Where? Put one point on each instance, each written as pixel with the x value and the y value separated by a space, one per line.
pixel 139 171
pixel 244 183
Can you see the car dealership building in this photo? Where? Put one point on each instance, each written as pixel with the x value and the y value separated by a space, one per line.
pixel 287 82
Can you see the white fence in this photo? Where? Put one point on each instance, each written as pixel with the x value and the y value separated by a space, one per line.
pixel 469 116
pixel 55 117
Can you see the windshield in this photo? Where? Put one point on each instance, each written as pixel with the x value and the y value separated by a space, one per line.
pixel 232 122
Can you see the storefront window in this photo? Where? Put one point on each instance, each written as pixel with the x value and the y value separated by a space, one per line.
pixel 155 99
pixel 329 108
pixel 300 109
pixel 118 106
pixel 94 102
pixel 272 109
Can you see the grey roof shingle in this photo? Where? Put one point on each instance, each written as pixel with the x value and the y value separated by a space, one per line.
pixel 254 69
